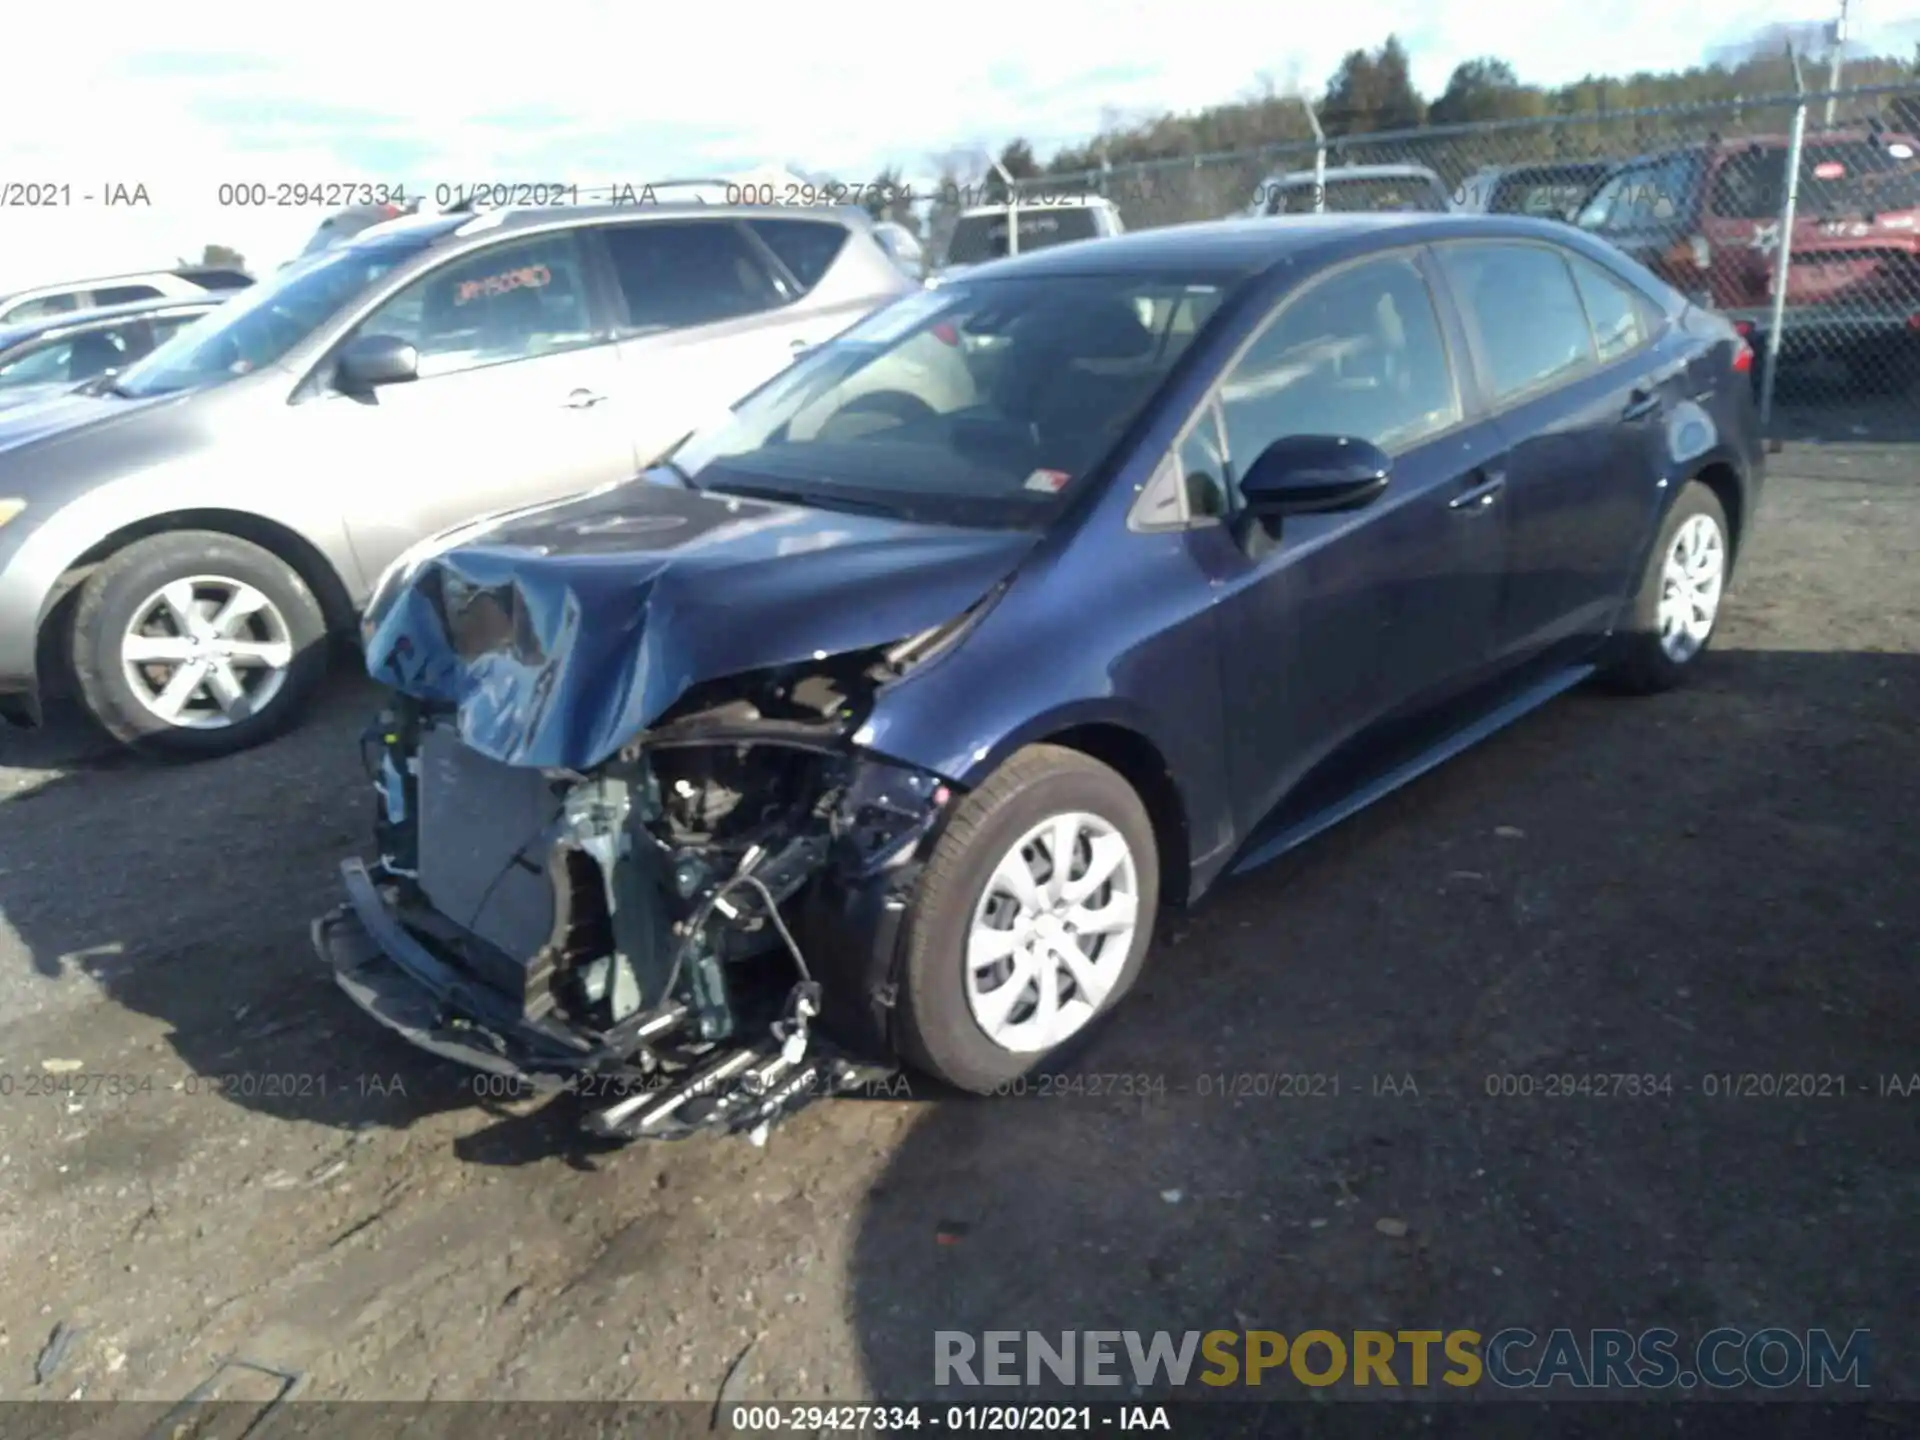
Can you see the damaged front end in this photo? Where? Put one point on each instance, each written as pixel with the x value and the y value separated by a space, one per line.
pixel 699 930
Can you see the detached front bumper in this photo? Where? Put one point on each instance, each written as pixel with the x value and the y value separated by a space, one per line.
pixel 411 991
pixel 401 983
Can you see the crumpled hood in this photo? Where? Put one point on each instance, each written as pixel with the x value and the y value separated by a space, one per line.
pixel 560 633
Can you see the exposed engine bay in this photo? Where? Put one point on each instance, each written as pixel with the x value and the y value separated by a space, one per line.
pixel 665 924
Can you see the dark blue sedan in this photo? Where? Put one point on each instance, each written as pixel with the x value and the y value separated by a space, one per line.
pixel 876 723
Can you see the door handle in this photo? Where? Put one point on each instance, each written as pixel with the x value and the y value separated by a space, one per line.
pixel 584 399
pixel 1478 497
pixel 1640 404
pixel 798 345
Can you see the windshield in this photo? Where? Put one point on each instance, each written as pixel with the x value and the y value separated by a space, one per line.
pixel 261 324
pixel 1554 194
pixel 1370 192
pixel 980 403
pixel 979 238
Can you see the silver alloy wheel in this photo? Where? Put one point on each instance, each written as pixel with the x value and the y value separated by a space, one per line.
pixel 206 652
pixel 1690 583
pixel 1051 932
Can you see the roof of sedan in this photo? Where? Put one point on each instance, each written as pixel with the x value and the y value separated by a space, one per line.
pixel 1245 247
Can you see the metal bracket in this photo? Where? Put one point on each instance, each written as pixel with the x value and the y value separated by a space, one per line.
pixel 291 1383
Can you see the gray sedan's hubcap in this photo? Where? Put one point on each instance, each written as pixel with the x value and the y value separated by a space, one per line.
pixel 206 652
pixel 1051 932
pixel 1690 583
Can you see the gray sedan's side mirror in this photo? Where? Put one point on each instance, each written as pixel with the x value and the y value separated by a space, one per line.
pixel 370 361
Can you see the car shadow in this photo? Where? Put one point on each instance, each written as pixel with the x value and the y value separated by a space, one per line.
pixel 184 893
pixel 1417 939
pixel 1313 1113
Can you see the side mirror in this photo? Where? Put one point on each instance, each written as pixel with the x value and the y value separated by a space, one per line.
pixel 370 361
pixel 1314 475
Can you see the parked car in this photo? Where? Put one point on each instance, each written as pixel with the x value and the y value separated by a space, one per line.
pixel 43 358
pixel 1346 188
pixel 1552 190
pixel 193 532
pixel 190 282
pixel 794 759
pixel 986 232
pixel 343 225
pixel 1706 218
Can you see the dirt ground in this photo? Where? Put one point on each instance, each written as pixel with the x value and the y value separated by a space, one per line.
pixel 1714 883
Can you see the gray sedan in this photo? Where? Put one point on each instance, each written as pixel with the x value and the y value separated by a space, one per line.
pixel 182 542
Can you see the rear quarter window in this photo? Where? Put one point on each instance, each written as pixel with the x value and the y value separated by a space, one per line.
pixel 807 248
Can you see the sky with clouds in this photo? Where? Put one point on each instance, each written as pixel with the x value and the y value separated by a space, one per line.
pixel 597 92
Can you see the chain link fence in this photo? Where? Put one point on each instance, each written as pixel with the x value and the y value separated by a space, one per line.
pixel 1704 195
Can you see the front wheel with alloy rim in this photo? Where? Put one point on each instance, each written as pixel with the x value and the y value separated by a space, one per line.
pixel 1678 601
pixel 1032 919
pixel 193 643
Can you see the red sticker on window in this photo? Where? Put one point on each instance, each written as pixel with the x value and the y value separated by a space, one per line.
pixel 1048 482
pixel 1829 170
pixel 527 277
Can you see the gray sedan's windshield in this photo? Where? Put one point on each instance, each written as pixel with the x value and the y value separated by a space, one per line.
pixel 260 325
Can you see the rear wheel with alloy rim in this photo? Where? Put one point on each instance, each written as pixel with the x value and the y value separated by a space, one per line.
pixel 195 643
pixel 1033 918
pixel 1677 604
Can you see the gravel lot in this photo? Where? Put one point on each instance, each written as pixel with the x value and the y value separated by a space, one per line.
pixel 1717 882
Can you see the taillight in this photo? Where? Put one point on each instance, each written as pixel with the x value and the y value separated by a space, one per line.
pixel 1913 321
pixel 1742 351
pixel 945 334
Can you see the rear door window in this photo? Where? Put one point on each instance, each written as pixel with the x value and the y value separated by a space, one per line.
pixel 678 273
pixel 807 248
pixel 1521 304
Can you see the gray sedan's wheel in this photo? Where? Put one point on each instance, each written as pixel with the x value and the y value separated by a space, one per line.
pixel 195 643
pixel 1033 918
pixel 1678 602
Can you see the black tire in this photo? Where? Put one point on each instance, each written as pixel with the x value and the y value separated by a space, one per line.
pixel 123 583
pixel 939 1034
pixel 1639 664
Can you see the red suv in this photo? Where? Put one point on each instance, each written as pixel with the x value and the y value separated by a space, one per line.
pixel 1706 218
